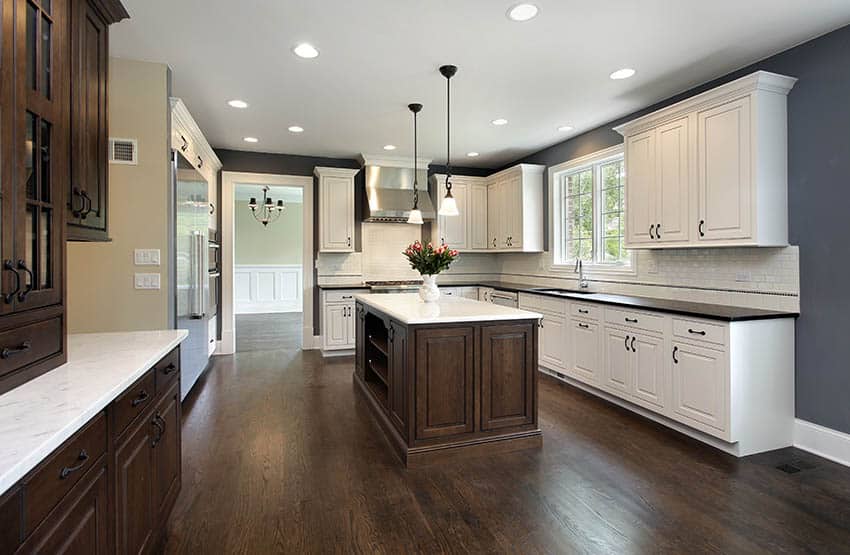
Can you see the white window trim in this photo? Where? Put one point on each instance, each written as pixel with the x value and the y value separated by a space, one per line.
pixel 556 221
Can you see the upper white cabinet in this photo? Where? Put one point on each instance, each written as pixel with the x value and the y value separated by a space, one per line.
pixel 468 230
pixel 711 170
pixel 515 209
pixel 336 209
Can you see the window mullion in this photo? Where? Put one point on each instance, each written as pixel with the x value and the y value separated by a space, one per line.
pixel 597 214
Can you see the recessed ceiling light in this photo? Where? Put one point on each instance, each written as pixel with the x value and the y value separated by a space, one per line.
pixel 251 140
pixel 389 147
pixel 305 50
pixel 499 121
pixel 237 103
pixel 523 12
pixel 472 154
pixel 624 73
pixel 565 128
pixel 296 129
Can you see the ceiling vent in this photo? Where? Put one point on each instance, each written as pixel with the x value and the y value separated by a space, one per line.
pixel 124 151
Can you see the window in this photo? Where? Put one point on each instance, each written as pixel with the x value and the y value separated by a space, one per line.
pixel 588 210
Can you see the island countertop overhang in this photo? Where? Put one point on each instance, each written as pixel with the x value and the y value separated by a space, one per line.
pixel 409 309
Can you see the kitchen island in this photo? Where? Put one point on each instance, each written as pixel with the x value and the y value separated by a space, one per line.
pixel 452 378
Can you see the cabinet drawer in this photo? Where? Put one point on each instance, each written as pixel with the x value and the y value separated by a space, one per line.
pixel 543 304
pixel 699 330
pixel 342 295
pixel 64 468
pixel 22 346
pixel 583 310
pixel 167 370
pixel 639 320
pixel 133 402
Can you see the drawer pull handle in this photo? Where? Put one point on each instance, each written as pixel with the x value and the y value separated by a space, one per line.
pixel 143 396
pixel 170 369
pixel 702 228
pixel 632 320
pixel 696 332
pixel 633 345
pixel 675 350
pixel 583 311
pixel 344 297
pixel 83 457
pixel 22 348
pixel 627 343
pixel 585 326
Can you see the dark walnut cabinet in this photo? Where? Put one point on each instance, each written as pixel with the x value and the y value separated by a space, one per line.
pixel 111 486
pixel 52 112
pixel 444 390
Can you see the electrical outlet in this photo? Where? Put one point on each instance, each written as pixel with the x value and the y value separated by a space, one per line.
pixel 146 257
pixel 147 281
pixel 743 277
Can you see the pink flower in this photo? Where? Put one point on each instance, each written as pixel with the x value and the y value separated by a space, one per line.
pixel 453 253
pixel 430 246
pixel 441 249
pixel 417 246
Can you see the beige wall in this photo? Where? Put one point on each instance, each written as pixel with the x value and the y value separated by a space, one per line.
pixel 279 243
pixel 101 296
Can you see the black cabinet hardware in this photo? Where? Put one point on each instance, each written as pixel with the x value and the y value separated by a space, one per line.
pixel 344 297
pixel 632 320
pixel 9 297
pixel 185 144
pixel 155 422
pixel 658 231
pixel 494 242
pixel 87 204
pixel 212 209
pixel 22 296
pixel 170 369
pixel 349 241
pixel 200 162
pixel 633 345
pixel 627 342
pixel 143 396
pixel 83 457
pixel 702 228
pixel 585 326
pixel 675 350
pixel 696 332
pixel 583 311
pixel 76 192
pixel 651 227
pixel 6 352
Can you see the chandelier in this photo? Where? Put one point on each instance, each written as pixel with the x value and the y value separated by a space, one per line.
pixel 268 211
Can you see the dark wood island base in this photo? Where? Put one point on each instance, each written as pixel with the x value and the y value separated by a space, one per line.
pixel 443 390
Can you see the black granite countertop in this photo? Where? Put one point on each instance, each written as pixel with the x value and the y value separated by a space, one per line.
pixel 684 308
pixel 343 286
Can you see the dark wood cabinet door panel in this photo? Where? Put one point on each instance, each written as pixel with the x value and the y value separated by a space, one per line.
pixel 398 377
pixel 63 469
pixel 444 381
pixel 88 187
pixel 11 517
pixel 134 506
pixel 80 524
pixel 166 453
pixel 508 371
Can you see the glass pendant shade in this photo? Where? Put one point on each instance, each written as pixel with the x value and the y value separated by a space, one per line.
pixel 415 217
pixel 448 206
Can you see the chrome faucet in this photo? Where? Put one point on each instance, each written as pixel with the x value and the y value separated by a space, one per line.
pixel 582 281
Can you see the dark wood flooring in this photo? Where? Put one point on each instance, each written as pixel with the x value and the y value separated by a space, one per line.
pixel 268 332
pixel 281 456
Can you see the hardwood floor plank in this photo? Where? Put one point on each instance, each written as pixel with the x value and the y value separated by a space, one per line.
pixel 281 455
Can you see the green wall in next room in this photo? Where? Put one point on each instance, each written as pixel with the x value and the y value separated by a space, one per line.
pixel 281 242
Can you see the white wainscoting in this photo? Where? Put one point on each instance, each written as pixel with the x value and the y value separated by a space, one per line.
pixel 264 289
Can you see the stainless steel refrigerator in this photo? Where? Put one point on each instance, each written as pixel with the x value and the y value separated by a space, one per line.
pixel 192 281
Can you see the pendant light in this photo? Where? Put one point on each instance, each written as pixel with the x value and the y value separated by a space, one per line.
pixel 415 214
pixel 448 206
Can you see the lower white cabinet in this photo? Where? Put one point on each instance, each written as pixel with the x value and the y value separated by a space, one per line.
pixel 700 385
pixel 617 358
pixel 584 336
pixel 648 365
pixel 338 320
pixel 552 350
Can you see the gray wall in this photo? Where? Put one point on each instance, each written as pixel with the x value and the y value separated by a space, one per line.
pixel 819 197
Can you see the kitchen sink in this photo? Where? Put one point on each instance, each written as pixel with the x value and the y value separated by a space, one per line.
pixel 561 291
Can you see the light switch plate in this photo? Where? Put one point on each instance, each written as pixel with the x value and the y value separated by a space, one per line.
pixel 147 281
pixel 146 257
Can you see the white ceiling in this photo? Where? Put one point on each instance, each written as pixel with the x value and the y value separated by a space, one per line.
pixel 379 55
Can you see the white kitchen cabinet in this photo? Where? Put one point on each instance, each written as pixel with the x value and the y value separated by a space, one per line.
pixel 515 209
pixel 552 350
pixel 468 230
pixel 586 361
pixel 336 209
pixel 338 320
pixel 478 215
pixel 700 385
pixel 618 370
pixel 711 171
pixel 648 369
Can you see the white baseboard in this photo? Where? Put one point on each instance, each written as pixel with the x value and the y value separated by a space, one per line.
pixel 823 442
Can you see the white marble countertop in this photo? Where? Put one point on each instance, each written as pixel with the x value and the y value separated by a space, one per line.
pixel 38 416
pixel 410 309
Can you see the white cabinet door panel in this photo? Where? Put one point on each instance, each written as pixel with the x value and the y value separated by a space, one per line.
pixel 335 326
pixel 699 385
pixel 674 179
pixel 553 337
pixel 337 213
pixel 478 216
pixel 495 215
pixel 617 374
pixel 640 188
pixel 724 172
pixel 453 229
pixel 648 369
pixel 585 342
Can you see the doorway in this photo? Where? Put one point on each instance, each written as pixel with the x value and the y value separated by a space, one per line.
pixel 267 262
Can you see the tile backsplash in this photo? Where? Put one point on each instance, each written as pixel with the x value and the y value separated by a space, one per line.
pixel 752 277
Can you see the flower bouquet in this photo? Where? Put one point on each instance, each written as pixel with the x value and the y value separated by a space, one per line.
pixel 429 262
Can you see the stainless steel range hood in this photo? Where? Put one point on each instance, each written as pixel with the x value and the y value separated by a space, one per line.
pixel 389 189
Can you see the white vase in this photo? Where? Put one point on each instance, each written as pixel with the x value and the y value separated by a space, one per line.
pixel 428 291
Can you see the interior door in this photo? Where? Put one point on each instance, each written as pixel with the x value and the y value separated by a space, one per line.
pixel 42 116
pixel 674 179
pixel 618 360
pixel 585 341
pixel 724 173
pixel 648 369
pixel 640 188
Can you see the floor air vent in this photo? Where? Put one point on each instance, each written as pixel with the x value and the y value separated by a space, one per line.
pixel 794 467
pixel 124 151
